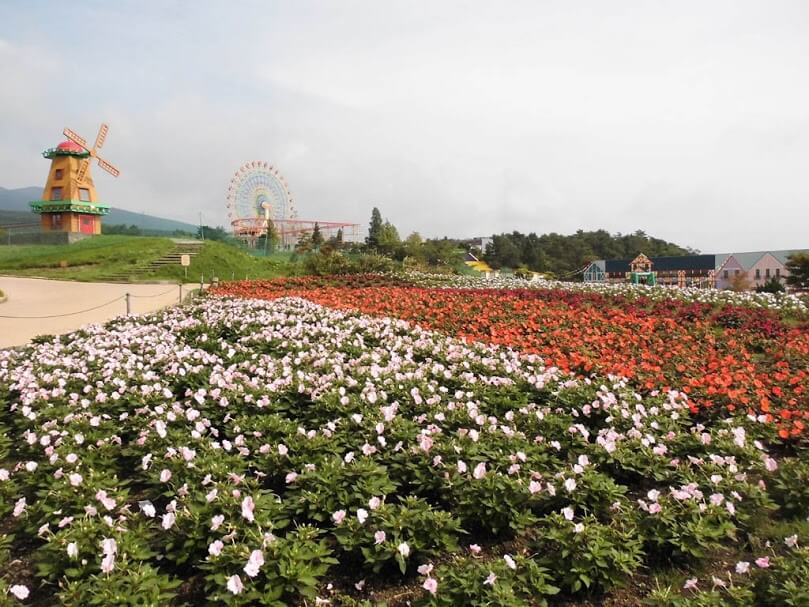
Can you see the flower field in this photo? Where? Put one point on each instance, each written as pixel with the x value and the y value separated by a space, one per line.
pixel 733 357
pixel 243 452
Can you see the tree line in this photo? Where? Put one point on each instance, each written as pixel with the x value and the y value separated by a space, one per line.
pixel 563 254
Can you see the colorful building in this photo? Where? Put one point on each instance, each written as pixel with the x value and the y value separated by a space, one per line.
pixel 68 202
pixel 720 271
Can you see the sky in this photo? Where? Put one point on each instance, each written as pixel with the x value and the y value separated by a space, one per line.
pixel 688 120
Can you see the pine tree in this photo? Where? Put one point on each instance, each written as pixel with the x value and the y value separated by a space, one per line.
pixel 338 241
pixel 317 237
pixel 374 229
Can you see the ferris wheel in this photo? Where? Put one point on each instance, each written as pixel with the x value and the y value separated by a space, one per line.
pixel 257 194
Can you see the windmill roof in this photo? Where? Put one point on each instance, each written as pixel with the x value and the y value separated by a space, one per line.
pixel 69 146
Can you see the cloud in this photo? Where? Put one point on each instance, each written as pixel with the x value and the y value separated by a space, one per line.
pixel 458 118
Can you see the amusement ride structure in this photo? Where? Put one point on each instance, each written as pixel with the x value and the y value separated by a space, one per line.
pixel 258 195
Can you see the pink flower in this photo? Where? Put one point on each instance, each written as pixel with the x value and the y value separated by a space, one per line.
pixel 461 466
pixel 480 471
pixel 217 521
pixel 168 520
pixel 791 541
pixel 254 563
pixel 215 549
pixel 654 508
pixel 338 517
pixel 742 567
pixel 425 569
pixel 19 591
pixel 534 487
pixel 248 506
pixel 19 507
pixel 235 584
pixel 430 585
pixel 763 562
pixel 75 479
pixel 770 464
pixel 291 478
pixel 374 503
pixel 165 475
pixel 489 581
pixel 379 537
pixel 690 584
pixel 474 549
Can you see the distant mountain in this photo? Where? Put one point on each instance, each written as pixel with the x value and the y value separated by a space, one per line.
pixel 14 208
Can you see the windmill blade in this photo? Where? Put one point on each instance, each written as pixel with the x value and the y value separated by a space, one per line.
pixel 102 135
pixel 75 138
pixel 108 167
pixel 85 164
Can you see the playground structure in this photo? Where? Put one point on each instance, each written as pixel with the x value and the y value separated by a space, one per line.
pixel 258 196
pixel 69 202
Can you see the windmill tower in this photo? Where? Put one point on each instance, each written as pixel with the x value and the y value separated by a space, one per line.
pixel 69 201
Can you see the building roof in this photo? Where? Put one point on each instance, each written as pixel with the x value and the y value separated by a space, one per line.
pixel 667 264
pixel 70 146
pixel 748 259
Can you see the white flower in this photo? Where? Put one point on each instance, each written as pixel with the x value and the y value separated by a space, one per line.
pixel 480 471
pixel 742 567
pixel 578 527
pixel 217 521
pixel 425 569
pixel 72 550
pixel 147 508
pixel 362 515
pixel 374 503
pixel 510 562
pixel 165 475
pixel 791 541
pixel 461 466
pixel 568 513
pixel 338 516
pixel 75 479
pixel 19 591
pixel 403 549
pixel 379 537
pixel 570 485
pixel 489 581
pixel 235 584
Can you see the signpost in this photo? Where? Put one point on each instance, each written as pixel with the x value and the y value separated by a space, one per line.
pixel 185 261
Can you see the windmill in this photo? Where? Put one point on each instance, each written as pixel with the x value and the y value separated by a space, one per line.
pixel 69 201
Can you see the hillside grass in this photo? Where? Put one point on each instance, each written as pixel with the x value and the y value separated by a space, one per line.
pixel 226 262
pixel 87 260
pixel 95 259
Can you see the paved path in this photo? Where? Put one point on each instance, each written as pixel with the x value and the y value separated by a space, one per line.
pixel 39 297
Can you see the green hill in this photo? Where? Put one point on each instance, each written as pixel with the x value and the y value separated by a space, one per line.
pixel 14 208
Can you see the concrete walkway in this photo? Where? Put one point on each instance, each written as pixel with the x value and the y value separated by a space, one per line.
pixel 39 297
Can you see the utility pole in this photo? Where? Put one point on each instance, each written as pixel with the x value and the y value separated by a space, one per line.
pixel 201 230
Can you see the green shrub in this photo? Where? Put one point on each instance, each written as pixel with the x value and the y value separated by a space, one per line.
pixel 587 554
pixel 789 487
pixel 477 583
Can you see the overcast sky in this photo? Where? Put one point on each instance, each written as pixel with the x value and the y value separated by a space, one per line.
pixel 689 120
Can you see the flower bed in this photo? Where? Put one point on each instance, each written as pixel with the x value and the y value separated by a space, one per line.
pixel 253 453
pixel 731 357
